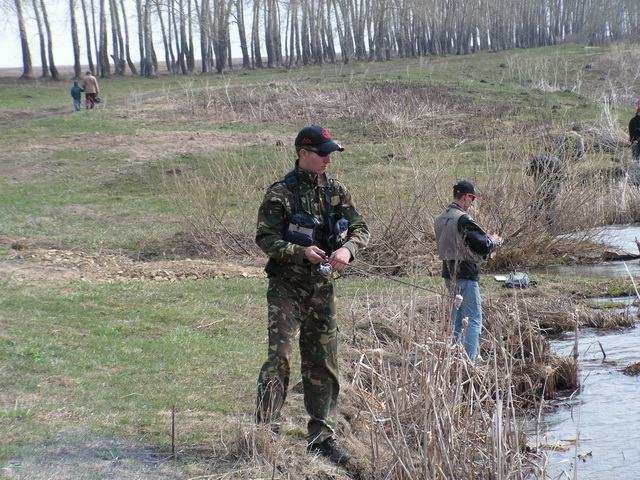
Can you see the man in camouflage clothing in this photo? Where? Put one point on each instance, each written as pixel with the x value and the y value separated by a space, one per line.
pixel 301 288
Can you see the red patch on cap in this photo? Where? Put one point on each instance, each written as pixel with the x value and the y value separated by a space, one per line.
pixel 326 134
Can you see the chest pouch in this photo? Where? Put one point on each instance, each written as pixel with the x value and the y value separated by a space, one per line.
pixel 339 233
pixel 301 230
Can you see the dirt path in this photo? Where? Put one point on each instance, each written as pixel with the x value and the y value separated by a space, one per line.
pixel 47 266
pixel 9 121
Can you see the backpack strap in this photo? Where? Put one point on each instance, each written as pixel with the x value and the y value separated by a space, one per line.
pixel 292 184
pixel 329 224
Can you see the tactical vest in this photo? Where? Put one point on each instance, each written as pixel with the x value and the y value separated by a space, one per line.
pixel 451 244
pixel 336 229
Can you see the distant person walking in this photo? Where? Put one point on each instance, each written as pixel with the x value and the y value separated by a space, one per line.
pixel 462 245
pixel 91 89
pixel 76 93
pixel 570 146
pixel 634 135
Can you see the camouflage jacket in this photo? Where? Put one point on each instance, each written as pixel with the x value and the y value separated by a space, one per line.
pixel 278 206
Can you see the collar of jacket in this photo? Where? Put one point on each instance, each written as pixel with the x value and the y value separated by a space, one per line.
pixel 456 206
pixel 310 179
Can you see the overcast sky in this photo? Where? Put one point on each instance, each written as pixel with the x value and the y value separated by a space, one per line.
pixel 10 49
pixel 57 10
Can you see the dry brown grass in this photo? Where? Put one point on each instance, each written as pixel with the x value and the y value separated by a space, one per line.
pixel 425 410
pixel 412 120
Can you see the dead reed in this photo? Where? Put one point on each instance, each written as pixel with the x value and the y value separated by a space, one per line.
pixel 426 411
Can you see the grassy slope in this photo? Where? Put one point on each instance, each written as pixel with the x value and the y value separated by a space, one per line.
pixel 90 372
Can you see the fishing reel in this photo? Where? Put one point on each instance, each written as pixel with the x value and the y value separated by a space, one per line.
pixel 325 269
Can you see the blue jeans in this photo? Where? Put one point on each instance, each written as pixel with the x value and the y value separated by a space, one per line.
pixel 77 103
pixel 470 308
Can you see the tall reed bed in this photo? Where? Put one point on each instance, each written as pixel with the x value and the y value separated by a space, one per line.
pixel 425 412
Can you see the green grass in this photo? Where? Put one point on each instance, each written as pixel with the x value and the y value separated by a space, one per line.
pixel 107 358
pixel 124 353
pixel 94 369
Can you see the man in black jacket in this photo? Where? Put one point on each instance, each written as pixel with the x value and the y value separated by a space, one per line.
pixel 634 135
pixel 462 245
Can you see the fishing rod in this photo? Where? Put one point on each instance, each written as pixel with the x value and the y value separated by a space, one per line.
pixel 326 269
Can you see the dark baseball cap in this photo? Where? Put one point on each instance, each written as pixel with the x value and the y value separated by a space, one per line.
pixel 465 188
pixel 318 137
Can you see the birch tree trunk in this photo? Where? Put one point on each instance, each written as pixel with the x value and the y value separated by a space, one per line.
pixel 150 68
pixel 255 36
pixel 116 40
pixel 242 34
pixel 41 39
pixel 52 64
pixel 103 51
pixel 132 65
pixel 75 41
pixel 87 30
pixel 169 56
pixel 27 67
pixel 204 22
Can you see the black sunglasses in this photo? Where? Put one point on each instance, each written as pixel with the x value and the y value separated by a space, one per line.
pixel 319 153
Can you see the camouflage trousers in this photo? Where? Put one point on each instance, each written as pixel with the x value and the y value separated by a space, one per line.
pixel 310 309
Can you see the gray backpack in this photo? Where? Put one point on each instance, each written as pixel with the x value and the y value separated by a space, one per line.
pixel 517 280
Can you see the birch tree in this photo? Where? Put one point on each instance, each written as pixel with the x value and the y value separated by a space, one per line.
pixel 87 29
pixel 27 66
pixel 41 38
pixel 242 34
pixel 75 41
pixel 103 49
pixel 127 51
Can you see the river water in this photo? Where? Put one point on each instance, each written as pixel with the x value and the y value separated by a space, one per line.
pixel 600 425
pixel 597 429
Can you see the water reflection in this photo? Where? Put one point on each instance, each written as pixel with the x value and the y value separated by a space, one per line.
pixel 623 238
pixel 598 270
pixel 604 419
pixel 599 426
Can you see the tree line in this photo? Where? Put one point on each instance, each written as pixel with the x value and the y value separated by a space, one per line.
pixel 284 33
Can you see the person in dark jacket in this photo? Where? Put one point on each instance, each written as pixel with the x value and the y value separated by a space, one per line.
pixel 634 135
pixel 76 94
pixel 294 229
pixel 462 245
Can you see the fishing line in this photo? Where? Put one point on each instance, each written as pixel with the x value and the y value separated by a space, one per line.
pixel 457 298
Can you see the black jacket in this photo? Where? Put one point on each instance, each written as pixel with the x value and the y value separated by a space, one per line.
pixel 634 129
